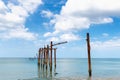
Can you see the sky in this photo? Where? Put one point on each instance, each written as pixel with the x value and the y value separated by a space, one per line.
pixel 27 25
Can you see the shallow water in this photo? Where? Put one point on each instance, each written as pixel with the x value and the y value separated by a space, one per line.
pixel 67 69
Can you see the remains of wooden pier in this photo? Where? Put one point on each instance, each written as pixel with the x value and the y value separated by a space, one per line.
pixel 45 56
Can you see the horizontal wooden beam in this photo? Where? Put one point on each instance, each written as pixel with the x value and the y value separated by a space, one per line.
pixel 59 43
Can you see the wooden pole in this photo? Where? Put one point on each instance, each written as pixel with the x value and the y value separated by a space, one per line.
pixel 89 57
pixel 47 56
pixel 39 56
pixel 51 56
pixel 55 57
pixel 44 57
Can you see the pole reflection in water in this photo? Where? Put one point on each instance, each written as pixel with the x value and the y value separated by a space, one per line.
pixel 89 78
pixel 46 73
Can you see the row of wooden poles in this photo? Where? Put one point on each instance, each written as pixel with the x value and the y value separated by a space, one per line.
pixel 45 56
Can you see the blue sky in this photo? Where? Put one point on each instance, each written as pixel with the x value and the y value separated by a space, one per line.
pixel 27 25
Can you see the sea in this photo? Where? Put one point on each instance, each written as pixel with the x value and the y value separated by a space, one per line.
pixel 66 69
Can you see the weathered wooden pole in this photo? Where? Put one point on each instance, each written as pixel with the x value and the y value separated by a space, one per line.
pixel 39 52
pixel 55 57
pixel 44 57
pixel 51 44
pixel 47 56
pixel 89 57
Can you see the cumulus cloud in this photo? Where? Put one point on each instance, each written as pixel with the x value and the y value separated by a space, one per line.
pixel 64 37
pixel 47 14
pixel 104 48
pixel 76 15
pixel 69 37
pixel 47 34
pixel 55 39
pixel 106 44
pixel 19 33
pixel 81 14
pixel 13 17
pixel 30 5
pixel 105 34
pixel 70 23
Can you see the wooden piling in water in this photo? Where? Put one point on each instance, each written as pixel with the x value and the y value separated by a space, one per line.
pixel 51 55
pixel 89 57
pixel 55 57
pixel 42 59
pixel 39 56
pixel 47 56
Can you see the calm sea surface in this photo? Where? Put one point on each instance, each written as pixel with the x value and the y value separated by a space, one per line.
pixel 27 69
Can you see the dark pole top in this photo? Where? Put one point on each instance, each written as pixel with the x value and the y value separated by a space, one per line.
pixel 87 36
pixel 88 39
pixel 51 42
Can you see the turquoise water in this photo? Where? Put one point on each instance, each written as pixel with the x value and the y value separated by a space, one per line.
pixel 27 69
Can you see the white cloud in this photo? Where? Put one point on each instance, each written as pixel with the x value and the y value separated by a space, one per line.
pixel 64 37
pixel 2 7
pixel 81 14
pixel 30 5
pixel 47 34
pixel 76 15
pixel 55 39
pixel 47 14
pixel 105 34
pixel 19 33
pixel 69 37
pixel 105 48
pixel 70 23
pixel 91 8
pixel 13 17
pixel 106 44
